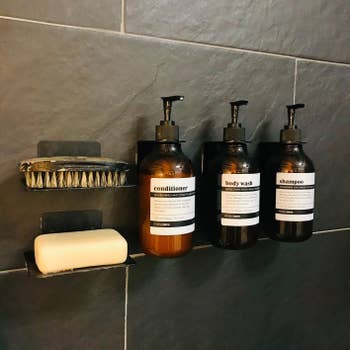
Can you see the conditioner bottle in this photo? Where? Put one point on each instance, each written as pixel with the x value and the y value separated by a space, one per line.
pixel 295 182
pixel 167 192
pixel 238 181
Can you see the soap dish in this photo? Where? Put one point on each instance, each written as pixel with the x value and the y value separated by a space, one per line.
pixel 33 270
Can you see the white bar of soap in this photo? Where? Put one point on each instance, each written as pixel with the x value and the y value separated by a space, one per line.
pixel 57 252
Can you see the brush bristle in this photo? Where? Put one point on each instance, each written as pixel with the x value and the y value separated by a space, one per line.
pixel 75 179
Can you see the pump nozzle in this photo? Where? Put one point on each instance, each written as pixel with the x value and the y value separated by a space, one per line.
pixel 167 105
pixel 167 131
pixel 234 132
pixel 291 133
pixel 235 109
pixel 291 114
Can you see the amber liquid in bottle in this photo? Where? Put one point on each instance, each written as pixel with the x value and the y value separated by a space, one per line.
pixel 234 160
pixel 165 161
pixel 293 160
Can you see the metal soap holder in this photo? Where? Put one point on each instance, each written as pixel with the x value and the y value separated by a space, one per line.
pixel 33 270
pixel 78 165
pixel 64 222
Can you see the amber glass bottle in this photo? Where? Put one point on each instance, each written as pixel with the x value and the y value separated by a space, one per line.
pixel 166 193
pixel 295 182
pixel 237 215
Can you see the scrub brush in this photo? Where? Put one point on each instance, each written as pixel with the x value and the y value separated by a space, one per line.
pixel 73 172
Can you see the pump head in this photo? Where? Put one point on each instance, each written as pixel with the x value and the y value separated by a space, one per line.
pixel 291 133
pixel 234 131
pixel 167 131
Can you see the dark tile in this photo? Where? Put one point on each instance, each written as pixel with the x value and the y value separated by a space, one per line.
pixel 317 29
pixel 105 14
pixel 72 84
pixel 325 90
pixel 271 297
pixel 84 311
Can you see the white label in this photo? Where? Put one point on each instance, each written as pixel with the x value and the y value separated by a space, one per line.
pixel 295 196
pixel 239 199
pixel 172 208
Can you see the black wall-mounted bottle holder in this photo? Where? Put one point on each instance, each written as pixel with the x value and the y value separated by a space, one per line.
pixel 267 155
pixel 144 147
pixel 67 221
pixel 210 150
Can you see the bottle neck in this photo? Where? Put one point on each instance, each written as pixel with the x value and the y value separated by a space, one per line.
pixel 235 147
pixel 167 147
pixel 292 148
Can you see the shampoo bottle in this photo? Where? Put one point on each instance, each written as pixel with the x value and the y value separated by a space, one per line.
pixel 295 182
pixel 166 192
pixel 238 181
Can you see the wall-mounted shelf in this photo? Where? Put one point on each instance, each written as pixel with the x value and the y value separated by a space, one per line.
pixel 33 270
pixel 68 221
pixel 75 165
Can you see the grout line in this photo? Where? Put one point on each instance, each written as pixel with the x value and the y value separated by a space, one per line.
pixel 126 308
pixel 4 272
pixel 203 246
pixel 180 41
pixel 137 255
pixel 312 60
pixel 207 45
pixel 332 230
pixel 295 80
pixel 59 25
pixel 197 247
pixel 122 23
pixel 235 49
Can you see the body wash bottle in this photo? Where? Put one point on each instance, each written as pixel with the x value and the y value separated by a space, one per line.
pixel 295 182
pixel 237 185
pixel 166 192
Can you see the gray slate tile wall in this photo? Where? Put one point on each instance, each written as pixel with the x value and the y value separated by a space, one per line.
pixel 104 14
pixel 274 296
pixel 80 311
pixel 313 29
pixel 326 92
pixel 94 70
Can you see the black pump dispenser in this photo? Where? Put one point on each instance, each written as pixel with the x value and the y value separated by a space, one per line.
pixel 166 225
pixel 293 178
pixel 234 131
pixel 167 131
pixel 291 133
pixel 233 189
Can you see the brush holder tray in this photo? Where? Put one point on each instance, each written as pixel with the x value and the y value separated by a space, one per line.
pixel 61 169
